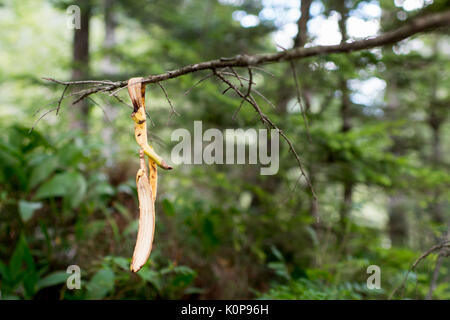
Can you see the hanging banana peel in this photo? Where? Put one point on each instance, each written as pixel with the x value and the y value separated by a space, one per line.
pixel 136 90
pixel 146 180
pixel 146 229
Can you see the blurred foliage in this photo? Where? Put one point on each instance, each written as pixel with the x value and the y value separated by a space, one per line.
pixel 68 197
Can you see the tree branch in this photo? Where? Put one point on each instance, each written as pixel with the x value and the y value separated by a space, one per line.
pixel 417 25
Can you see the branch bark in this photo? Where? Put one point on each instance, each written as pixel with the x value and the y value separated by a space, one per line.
pixel 418 25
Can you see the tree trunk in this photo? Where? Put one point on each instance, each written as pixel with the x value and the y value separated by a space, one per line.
pixel 109 68
pixel 345 113
pixel 436 119
pixel 80 66
pixel 398 223
pixel 302 34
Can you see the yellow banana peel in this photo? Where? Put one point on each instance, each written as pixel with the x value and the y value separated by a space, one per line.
pixel 146 229
pixel 146 180
pixel 136 90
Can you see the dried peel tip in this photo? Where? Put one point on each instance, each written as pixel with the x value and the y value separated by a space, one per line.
pixel 165 166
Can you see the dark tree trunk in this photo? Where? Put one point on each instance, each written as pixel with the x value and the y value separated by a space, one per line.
pixel 345 113
pixel 398 223
pixel 302 34
pixel 109 68
pixel 80 66
pixel 436 118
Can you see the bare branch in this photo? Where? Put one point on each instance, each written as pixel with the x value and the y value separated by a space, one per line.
pixel 417 25
pixel 266 121
pixel 68 83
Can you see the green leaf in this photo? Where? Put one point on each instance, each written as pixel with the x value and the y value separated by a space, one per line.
pixel 26 209
pixel 20 255
pixel 121 262
pixel 57 186
pixel 150 276
pixel 104 189
pixel 101 284
pixel 43 170
pixel 78 190
pixel 52 279
pixel 70 184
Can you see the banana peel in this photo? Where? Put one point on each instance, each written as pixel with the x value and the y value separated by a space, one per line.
pixel 146 180
pixel 146 229
pixel 136 90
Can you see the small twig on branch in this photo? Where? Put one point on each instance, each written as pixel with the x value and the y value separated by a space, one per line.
pixel 197 83
pixel 102 82
pixel 249 90
pixel 263 70
pixel 444 244
pixel 40 118
pixel 168 100
pixel 299 99
pixel 237 76
pixel 101 108
pixel 264 98
pixel 121 101
pixel 131 107
pixel 117 91
pixel 226 90
pixel 61 99
pixel 266 121
pixel 172 111
pixel 435 277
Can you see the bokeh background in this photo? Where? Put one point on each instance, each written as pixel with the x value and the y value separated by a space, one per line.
pixel 378 155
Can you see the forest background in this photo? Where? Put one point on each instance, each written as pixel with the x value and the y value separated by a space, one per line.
pixel 375 146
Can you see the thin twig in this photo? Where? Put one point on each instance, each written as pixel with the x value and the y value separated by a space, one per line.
pixel 237 76
pixel 444 244
pixel 266 121
pixel 131 107
pixel 41 117
pixel 263 70
pixel 197 83
pixel 249 90
pixel 101 108
pixel 77 82
pixel 61 99
pixel 299 99
pixel 168 99
pixel 435 277
pixel 264 98
pixel 173 111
